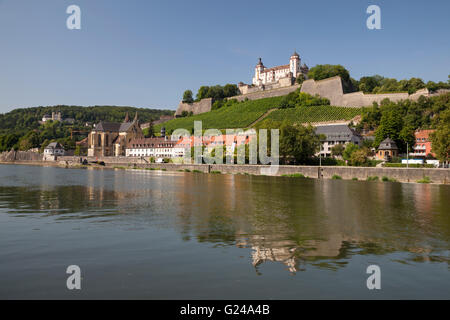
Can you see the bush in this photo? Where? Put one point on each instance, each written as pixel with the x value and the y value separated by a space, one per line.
pixel 424 180
pixel 372 178
pixel 294 175
pixel 387 179
pixel 215 172
pixel 355 179
pixel 336 177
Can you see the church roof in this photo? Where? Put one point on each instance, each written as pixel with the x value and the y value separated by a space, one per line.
pixel 295 54
pixel 125 126
pixel 107 126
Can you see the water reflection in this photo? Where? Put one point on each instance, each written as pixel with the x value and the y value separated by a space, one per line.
pixel 293 222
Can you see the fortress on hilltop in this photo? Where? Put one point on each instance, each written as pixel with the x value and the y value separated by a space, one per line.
pixel 280 81
pixel 275 77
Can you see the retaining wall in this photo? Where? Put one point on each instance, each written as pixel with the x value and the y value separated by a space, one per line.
pixel 441 176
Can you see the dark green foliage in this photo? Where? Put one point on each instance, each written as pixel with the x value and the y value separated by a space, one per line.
pixel 20 128
pixel 399 120
pixel 217 92
pixel 187 97
pixel 298 143
pixel 302 99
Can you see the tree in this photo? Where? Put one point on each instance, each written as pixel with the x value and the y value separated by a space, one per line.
pixel 391 124
pixel 349 149
pixel 187 97
pixel 230 90
pixel 337 150
pixel 300 78
pixel 298 142
pixel 358 157
pixel 440 139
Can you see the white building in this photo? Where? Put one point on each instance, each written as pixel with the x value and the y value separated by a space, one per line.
pixel 265 76
pixel 54 149
pixel 152 147
pixel 336 134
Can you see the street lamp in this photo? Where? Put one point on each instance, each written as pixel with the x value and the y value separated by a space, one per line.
pixel 407 155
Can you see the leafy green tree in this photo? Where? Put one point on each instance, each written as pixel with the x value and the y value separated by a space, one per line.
pixel 187 97
pixel 358 157
pixel 440 139
pixel 230 90
pixel 298 142
pixel 337 150
pixel 349 149
pixel 300 78
pixel 391 124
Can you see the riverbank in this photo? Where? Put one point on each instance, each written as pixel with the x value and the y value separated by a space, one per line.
pixel 421 175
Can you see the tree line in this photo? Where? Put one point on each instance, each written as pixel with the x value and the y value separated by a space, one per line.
pixel 20 129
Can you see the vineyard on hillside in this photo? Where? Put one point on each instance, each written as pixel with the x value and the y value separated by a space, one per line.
pixel 314 114
pixel 239 115
pixel 244 114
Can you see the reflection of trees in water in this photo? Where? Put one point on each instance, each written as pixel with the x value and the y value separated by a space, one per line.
pixel 320 223
pixel 61 201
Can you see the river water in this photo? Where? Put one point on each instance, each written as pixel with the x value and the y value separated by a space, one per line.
pixel 138 234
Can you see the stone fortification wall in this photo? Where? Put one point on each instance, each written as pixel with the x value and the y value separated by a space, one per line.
pixel 260 94
pixel 332 89
pixel 201 106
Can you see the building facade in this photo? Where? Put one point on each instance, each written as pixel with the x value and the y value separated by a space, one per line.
pixel 387 150
pixel 423 147
pixel 267 76
pixel 111 139
pixel 334 135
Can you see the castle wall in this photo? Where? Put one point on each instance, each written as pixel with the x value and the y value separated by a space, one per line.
pixel 268 93
pixel 332 89
pixel 201 106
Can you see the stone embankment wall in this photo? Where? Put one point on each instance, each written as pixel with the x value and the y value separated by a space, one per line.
pixel 12 156
pixel 441 176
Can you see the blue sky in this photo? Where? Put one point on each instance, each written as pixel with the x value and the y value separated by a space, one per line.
pixel 146 53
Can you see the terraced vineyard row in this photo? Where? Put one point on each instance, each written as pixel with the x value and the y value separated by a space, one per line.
pixel 239 115
pixel 314 114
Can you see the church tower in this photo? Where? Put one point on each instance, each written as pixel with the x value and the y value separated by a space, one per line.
pixel 294 64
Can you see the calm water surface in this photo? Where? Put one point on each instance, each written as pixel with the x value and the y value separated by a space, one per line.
pixel 162 235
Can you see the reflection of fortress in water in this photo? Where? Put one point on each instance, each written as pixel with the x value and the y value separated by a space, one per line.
pixel 308 223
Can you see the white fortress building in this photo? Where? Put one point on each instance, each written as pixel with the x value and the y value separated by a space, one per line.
pixel 264 76
pixel 275 77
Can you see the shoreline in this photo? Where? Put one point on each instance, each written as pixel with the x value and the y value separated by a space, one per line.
pixel 403 175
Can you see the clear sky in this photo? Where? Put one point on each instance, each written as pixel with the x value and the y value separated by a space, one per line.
pixel 146 53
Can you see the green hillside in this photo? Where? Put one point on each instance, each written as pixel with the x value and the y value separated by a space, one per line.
pixel 238 115
pixel 314 114
pixel 243 114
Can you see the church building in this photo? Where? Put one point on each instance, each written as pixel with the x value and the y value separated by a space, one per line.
pixel 111 138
